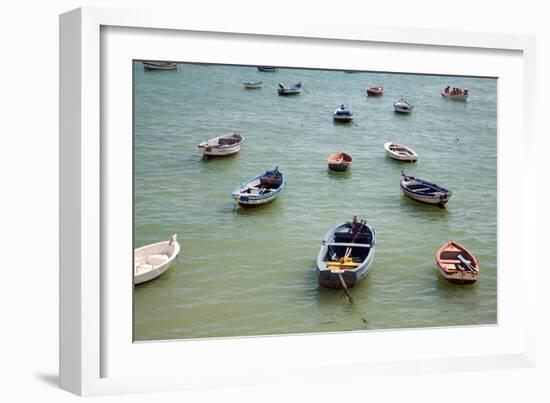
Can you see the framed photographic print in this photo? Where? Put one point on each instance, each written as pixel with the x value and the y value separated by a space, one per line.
pixel 243 202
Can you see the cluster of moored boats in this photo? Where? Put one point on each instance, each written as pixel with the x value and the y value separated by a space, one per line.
pixel 347 250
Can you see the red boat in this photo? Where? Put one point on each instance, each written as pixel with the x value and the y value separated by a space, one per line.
pixel 457 264
pixel 373 91
pixel 339 162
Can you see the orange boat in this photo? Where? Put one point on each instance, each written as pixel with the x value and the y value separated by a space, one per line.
pixel 339 162
pixel 457 264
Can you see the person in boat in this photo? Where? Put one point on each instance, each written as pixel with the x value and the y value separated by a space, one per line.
pixel 447 89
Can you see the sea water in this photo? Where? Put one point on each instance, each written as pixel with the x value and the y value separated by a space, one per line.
pixel 252 271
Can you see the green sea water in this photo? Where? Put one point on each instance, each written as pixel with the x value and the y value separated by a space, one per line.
pixel 252 272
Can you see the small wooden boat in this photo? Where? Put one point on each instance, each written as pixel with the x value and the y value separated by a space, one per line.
pixel 343 114
pixel 339 162
pixel 261 189
pixel 375 91
pixel 346 254
pixel 221 146
pixel 456 94
pixel 457 264
pixel 159 66
pixel 151 261
pixel 252 84
pixel 292 90
pixel 267 69
pixel 400 152
pixel 402 106
pixel 424 191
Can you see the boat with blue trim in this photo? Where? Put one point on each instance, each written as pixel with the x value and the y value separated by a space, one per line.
pixel 343 114
pixel 346 255
pixel 424 191
pixel 261 189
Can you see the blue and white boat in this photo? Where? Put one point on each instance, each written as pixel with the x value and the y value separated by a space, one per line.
pixel 424 191
pixel 346 254
pixel 260 190
pixel 343 114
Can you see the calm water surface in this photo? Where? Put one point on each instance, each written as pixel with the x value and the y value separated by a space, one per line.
pixel 252 272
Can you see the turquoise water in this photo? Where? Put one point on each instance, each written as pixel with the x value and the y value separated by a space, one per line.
pixel 252 272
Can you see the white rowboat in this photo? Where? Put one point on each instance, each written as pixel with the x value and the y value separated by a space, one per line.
pixel 400 152
pixel 221 146
pixel 151 261
pixel 402 106
pixel 252 85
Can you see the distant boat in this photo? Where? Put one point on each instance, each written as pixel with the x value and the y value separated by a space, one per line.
pixel 346 254
pixel 424 191
pixel 375 91
pixel 292 90
pixel 402 106
pixel 400 152
pixel 252 84
pixel 221 146
pixel 457 264
pixel 151 261
pixel 261 189
pixel 456 94
pixel 339 162
pixel 267 69
pixel 343 114
pixel 159 66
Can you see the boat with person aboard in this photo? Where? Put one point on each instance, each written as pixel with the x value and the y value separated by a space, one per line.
pixel 375 91
pixel 457 94
pixel 400 152
pixel 342 114
pixel 152 260
pixel 294 89
pixel 159 66
pixel 252 84
pixel 346 254
pixel 222 146
pixel 456 264
pixel 424 191
pixel 261 189
pixel 339 162
pixel 402 106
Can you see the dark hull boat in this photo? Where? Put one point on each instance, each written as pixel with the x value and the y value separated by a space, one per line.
pixel 424 191
pixel 159 66
pixel 293 90
pixel 343 114
pixel 267 69
pixel 346 254
pixel 339 162
pixel 457 264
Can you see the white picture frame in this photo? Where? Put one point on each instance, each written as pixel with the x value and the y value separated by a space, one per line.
pixel 96 355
